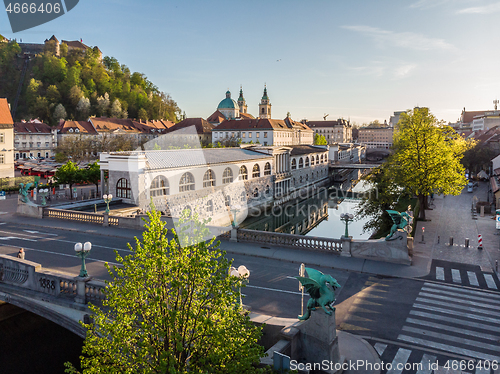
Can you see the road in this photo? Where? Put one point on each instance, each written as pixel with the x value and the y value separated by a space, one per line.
pixel 450 314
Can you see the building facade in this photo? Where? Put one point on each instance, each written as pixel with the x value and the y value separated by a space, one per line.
pixel 34 139
pixel 376 137
pixel 6 141
pixel 339 131
pixel 266 132
pixel 216 183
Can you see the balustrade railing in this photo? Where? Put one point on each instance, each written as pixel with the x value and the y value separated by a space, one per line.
pixel 29 275
pixel 73 215
pixel 290 240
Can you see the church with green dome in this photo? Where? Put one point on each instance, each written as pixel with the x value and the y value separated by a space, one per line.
pixel 229 109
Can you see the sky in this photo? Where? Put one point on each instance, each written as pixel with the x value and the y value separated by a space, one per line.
pixel 358 60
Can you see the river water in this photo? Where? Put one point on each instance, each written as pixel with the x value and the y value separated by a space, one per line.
pixel 33 345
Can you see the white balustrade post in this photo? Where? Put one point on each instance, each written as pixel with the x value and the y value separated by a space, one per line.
pixel 346 246
pixel 81 284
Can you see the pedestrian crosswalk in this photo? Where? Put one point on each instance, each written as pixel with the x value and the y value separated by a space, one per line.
pixel 396 359
pixel 453 321
pixel 462 274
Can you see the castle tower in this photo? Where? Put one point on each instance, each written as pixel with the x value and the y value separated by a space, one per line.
pixel 265 106
pixel 241 102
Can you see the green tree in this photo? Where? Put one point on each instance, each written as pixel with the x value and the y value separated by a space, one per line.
pixel 143 114
pixel 59 113
pixel 427 156
pixel 171 308
pixel 320 140
pixel 70 174
pixel 477 157
pixel 92 174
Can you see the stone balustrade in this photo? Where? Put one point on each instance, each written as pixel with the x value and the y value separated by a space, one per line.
pixel 289 240
pixel 30 275
pixel 71 215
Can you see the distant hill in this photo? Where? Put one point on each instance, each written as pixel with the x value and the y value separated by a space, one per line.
pixel 73 81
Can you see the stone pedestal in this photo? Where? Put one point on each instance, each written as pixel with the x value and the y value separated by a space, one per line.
pixel 234 235
pixel 319 342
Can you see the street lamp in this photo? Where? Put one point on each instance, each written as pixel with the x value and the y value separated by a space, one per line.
pixel 83 252
pixel 346 217
pixel 235 209
pixel 107 200
pixel 243 273
pixel 43 193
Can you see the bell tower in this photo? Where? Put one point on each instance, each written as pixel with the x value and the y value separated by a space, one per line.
pixel 241 102
pixel 265 106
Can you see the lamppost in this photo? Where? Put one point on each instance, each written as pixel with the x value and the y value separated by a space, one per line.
pixel 235 209
pixel 243 273
pixel 83 252
pixel 346 217
pixel 43 193
pixel 107 200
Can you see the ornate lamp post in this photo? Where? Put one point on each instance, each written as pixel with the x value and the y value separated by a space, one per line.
pixel 243 273
pixel 107 200
pixel 235 209
pixel 83 252
pixel 346 217
pixel 43 193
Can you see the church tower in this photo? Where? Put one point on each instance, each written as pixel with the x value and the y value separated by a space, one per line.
pixel 241 102
pixel 265 106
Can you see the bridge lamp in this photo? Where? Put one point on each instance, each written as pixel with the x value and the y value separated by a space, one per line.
pixel 83 251
pixel 235 209
pixel 43 193
pixel 346 217
pixel 107 200
pixel 243 273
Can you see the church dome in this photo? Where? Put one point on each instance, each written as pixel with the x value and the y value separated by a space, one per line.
pixel 228 103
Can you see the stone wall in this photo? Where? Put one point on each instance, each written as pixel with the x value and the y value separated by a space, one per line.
pixel 395 251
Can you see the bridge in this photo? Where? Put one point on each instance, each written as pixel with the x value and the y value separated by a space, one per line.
pixel 353 166
pixel 56 296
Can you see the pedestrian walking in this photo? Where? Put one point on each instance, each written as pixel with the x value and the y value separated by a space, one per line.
pixel 21 254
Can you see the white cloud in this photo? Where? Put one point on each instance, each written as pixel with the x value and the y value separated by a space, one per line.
pixel 486 9
pixel 408 40
pixel 427 4
pixel 404 70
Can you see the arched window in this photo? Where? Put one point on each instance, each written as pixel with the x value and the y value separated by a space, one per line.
pixel 123 188
pixel 322 159
pixel 268 190
pixel 267 169
pixel 209 179
pixel 312 160
pixel 256 192
pixel 159 187
pixel 294 164
pixel 186 183
pixel 307 162
pixel 210 206
pixel 227 176
pixel 256 171
pixel 301 163
pixel 243 173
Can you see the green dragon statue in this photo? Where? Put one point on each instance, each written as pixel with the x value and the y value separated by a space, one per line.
pixel 400 220
pixel 317 287
pixel 23 191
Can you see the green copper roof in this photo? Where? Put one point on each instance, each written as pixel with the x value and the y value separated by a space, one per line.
pixel 228 103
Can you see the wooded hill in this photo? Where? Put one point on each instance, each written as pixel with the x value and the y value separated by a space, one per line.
pixel 78 84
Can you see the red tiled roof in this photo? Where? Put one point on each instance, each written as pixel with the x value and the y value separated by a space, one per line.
pixel 245 124
pixel 74 44
pixel 216 117
pixel 202 126
pixel 83 127
pixel 467 117
pixel 5 117
pixel 313 124
pixel 31 127
pixel 246 115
